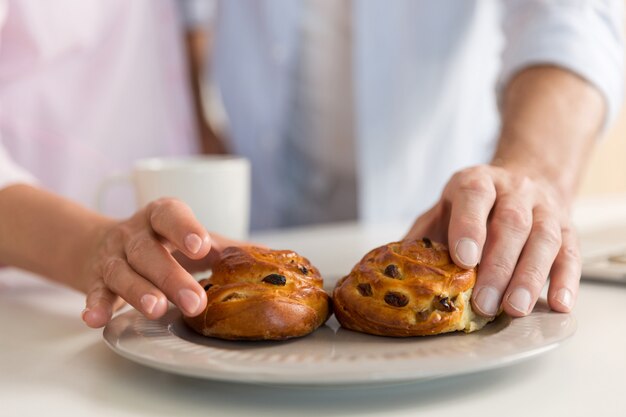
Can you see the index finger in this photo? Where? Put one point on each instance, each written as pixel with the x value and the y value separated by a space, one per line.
pixel 174 221
pixel 472 198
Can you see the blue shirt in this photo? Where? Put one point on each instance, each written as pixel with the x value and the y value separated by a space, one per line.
pixel 426 82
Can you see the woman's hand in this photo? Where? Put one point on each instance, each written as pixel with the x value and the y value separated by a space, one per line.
pixel 135 260
pixel 517 229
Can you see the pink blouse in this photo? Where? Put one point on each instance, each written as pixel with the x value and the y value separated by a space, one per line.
pixel 86 88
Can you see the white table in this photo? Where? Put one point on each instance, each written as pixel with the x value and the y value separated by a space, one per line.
pixel 51 364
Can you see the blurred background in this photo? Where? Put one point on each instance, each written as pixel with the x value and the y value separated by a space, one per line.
pixel 607 169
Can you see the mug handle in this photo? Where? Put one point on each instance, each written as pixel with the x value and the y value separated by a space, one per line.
pixel 113 180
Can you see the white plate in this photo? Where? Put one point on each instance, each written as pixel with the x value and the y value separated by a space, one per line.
pixel 332 355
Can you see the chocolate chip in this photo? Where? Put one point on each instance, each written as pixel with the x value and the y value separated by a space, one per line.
pixel 427 242
pixel 303 269
pixel 207 287
pixel 444 304
pixel 396 299
pixel 392 271
pixel 275 279
pixel 365 290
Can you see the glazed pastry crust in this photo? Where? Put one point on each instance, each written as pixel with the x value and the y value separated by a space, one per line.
pixel 262 294
pixel 408 288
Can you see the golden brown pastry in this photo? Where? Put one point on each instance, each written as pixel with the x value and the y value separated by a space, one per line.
pixel 262 294
pixel 408 288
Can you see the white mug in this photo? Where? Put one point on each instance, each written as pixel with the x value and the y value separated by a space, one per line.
pixel 215 187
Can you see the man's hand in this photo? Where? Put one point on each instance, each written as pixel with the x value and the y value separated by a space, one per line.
pixel 517 229
pixel 512 216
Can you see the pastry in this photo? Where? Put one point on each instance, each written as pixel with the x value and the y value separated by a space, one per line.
pixel 408 288
pixel 262 294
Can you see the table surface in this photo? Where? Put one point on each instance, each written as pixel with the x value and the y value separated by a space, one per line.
pixel 51 364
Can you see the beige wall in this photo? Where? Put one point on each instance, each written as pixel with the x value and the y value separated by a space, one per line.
pixel 607 171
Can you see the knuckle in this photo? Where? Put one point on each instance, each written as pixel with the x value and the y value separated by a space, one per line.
pixel 138 249
pixel 570 253
pixel 522 182
pixel 162 208
pixel 165 204
pixel 167 279
pixel 476 184
pixel 534 276
pixel 500 269
pixel 550 201
pixel 97 290
pixel 570 248
pixel 154 205
pixel 548 232
pixel 482 170
pixel 569 235
pixel 514 217
pixel 114 239
pixel 110 270
pixel 458 175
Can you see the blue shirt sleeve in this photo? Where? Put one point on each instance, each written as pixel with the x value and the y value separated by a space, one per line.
pixel 582 36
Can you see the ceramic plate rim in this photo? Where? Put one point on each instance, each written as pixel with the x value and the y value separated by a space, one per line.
pixel 121 331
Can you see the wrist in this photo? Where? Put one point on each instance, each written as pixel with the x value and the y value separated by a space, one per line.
pixel 85 251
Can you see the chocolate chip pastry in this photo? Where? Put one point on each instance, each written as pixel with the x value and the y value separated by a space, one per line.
pixel 261 294
pixel 408 288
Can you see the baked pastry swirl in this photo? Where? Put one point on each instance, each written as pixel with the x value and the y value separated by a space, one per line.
pixel 262 294
pixel 408 288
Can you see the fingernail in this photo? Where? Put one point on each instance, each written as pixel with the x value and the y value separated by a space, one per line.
pixel 189 301
pixel 487 300
pixel 148 301
pixel 193 242
pixel 519 299
pixel 564 297
pixel 84 313
pixel 467 251
pixel 93 318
